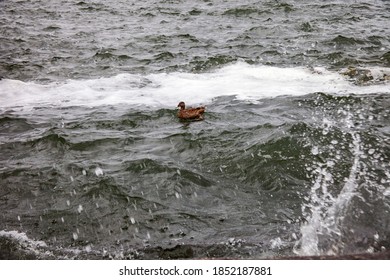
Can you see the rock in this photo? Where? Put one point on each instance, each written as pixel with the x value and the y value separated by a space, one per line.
pixel 177 252
pixel 358 75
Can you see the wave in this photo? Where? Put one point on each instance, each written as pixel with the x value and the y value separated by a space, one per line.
pixel 164 90
pixel 10 125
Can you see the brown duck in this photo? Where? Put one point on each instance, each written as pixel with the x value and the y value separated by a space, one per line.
pixel 195 114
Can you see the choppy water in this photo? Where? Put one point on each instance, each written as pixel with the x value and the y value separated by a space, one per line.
pixel 291 159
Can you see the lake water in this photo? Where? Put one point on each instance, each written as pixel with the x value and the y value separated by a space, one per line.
pixel 292 158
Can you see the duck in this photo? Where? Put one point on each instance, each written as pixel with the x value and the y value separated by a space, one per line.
pixel 195 114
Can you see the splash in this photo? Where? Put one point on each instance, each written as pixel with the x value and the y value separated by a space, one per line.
pixel 325 211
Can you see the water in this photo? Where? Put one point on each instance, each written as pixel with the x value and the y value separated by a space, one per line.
pixel 291 159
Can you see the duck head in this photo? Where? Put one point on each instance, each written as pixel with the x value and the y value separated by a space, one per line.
pixel 181 105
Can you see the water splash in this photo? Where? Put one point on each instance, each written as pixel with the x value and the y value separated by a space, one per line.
pixel 322 232
pixel 99 171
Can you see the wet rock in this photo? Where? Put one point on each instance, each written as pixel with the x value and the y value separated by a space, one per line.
pixel 358 75
pixel 177 252
pixel 361 76
pixel 11 250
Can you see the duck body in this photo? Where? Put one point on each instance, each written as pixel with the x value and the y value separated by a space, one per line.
pixel 195 114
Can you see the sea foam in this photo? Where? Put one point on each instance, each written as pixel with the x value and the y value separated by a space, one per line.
pixel 165 90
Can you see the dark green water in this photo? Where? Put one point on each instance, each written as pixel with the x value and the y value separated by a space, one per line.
pixel 291 159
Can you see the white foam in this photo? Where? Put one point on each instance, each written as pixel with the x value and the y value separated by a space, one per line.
pixel 166 90
pixel 99 171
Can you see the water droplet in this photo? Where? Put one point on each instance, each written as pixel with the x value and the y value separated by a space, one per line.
pixel 276 243
pixel 371 250
pixel 294 236
pixel 371 151
pixel 132 220
pixel 18 218
pixel 84 172
pixel 80 208
pixel 68 202
pixel 98 171
pixel 330 163
pixel 178 172
pixel 62 219
pixel 75 236
pixel 71 178
pixel 328 177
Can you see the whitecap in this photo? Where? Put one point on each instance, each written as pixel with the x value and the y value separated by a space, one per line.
pixel 164 90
